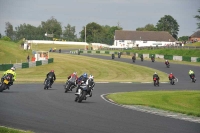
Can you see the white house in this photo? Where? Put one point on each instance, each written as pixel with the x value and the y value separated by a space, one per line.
pixel 129 39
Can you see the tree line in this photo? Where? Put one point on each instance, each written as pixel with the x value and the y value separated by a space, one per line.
pixel 94 31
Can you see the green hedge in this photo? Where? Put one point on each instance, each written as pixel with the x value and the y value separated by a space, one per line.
pixel 169 57
pixel 98 52
pixel 89 52
pixel 38 63
pixel 81 51
pixel 50 60
pixel 4 67
pixel 186 58
pixel 25 65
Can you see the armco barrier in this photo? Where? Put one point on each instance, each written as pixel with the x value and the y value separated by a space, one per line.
pixel 194 59
pixel 25 65
pixel 159 56
pixel 98 52
pixel 107 52
pixel 146 56
pixel 168 57
pixel 179 58
pixel 50 60
pixel 186 58
pixel 4 67
pixel 150 55
pixel 38 63
pixel 198 59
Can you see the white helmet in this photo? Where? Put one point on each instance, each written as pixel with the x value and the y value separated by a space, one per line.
pixel 166 60
pixel 155 73
pixel 74 73
pixel 13 68
pixel 91 77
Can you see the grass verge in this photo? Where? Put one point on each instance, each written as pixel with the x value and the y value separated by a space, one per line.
pixel 11 130
pixel 186 102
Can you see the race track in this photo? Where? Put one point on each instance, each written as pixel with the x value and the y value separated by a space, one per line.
pixel 30 107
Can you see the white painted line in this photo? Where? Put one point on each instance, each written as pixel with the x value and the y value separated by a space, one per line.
pixel 172 115
pixel 126 82
pixel 147 82
pixel 101 82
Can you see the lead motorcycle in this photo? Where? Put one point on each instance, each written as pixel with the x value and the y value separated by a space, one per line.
pixel 172 81
pixel 5 82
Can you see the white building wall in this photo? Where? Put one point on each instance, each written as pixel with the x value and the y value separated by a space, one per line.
pixel 140 43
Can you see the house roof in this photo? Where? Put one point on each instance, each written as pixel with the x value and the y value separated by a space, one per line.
pixel 144 35
pixel 196 34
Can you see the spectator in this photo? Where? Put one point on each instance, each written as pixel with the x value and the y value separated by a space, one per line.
pixel 28 58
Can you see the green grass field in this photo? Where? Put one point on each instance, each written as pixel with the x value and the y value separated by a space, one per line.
pixel 11 130
pixel 186 102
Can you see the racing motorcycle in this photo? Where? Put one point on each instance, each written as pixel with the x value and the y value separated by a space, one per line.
pixel 172 81
pixel 113 56
pixel 69 86
pixel 152 59
pixel 47 83
pixel 193 79
pixel 5 82
pixel 156 83
pixel 167 65
pixel 141 58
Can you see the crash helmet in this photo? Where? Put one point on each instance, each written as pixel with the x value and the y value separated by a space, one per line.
pixel 91 77
pixel 171 73
pixel 166 60
pixel 13 68
pixel 155 73
pixel 74 73
pixel 85 75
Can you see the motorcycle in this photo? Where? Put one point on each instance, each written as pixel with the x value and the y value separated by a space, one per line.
pixel 69 86
pixel 152 59
pixel 156 83
pixel 193 79
pixel 113 56
pixel 5 83
pixel 82 94
pixel 47 84
pixel 142 59
pixel 172 81
pixel 167 65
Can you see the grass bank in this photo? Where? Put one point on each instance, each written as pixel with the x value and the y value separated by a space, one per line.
pixel 186 102
pixel 11 130
pixel 103 70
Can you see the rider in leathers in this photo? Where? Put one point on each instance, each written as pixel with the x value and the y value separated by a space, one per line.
pixel 51 75
pixel 12 72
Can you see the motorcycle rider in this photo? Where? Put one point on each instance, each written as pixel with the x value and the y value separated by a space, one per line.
pixel 171 76
pixel 155 75
pixel 141 56
pixel 89 84
pixel 166 62
pixel 73 78
pixel 51 75
pixel 152 57
pixel 13 73
pixel 191 73
pixel 133 57
pixel 81 80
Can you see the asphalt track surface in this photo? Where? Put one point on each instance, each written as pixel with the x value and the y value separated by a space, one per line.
pixel 30 107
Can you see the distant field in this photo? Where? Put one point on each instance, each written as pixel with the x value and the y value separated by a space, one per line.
pixel 193 44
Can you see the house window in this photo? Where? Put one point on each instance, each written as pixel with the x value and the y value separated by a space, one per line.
pixel 121 40
pixel 144 41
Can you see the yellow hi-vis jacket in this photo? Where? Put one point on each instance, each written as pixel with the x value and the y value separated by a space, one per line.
pixel 11 72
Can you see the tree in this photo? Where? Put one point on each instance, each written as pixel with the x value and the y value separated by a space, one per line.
pixel 52 26
pixel 183 38
pixel 69 33
pixel 93 30
pixel 148 27
pixel 9 30
pixel 198 18
pixel 168 23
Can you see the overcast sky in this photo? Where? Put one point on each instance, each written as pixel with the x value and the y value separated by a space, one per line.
pixel 130 14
